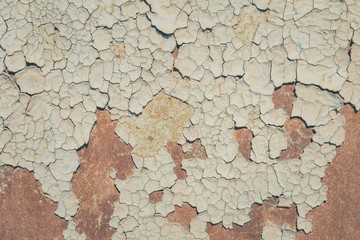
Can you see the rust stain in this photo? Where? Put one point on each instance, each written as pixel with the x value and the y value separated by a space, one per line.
pixel 339 217
pixel 298 137
pixel 183 215
pixel 159 123
pixel 177 154
pixel 260 215
pixel 284 98
pixel 175 53
pixel 155 197
pixel 243 137
pixel 25 212
pixel 92 183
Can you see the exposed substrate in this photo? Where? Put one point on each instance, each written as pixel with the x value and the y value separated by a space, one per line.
pixel 174 119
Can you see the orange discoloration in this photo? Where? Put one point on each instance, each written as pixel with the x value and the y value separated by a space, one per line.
pixel 161 121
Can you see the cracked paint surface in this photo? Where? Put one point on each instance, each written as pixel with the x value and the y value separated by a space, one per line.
pixel 260 216
pixel 177 154
pixel 215 106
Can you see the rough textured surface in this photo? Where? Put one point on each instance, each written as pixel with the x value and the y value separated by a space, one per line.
pixel 335 219
pixel 93 183
pixel 260 215
pixel 218 104
pixel 25 212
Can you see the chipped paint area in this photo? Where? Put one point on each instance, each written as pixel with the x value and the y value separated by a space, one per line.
pixel 268 212
pixel 183 215
pixel 105 158
pixel 176 119
pixel 243 137
pixel 343 183
pixel 298 138
pixel 25 211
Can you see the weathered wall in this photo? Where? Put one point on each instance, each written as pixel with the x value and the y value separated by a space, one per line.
pixel 218 119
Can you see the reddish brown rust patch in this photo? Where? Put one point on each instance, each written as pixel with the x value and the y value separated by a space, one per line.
pixel 175 53
pixel 244 137
pixel 339 217
pixel 298 137
pixel 260 215
pixel 155 197
pixel 183 215
pixel 25 212
pixel 284 98
pixel 92 183
pixel 178 155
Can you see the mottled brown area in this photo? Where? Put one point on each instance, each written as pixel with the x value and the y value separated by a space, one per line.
pixel 260 215
pixel 155 197
pixel 249 21
pixel 177 154
pixel 183 215
pixel 298 137
pixel 284 98
pixel 92 183
pixel 339 217
pixel 244 137
pixel 25 212
pixel 161 121
pixel 197 151
pixel 118 49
